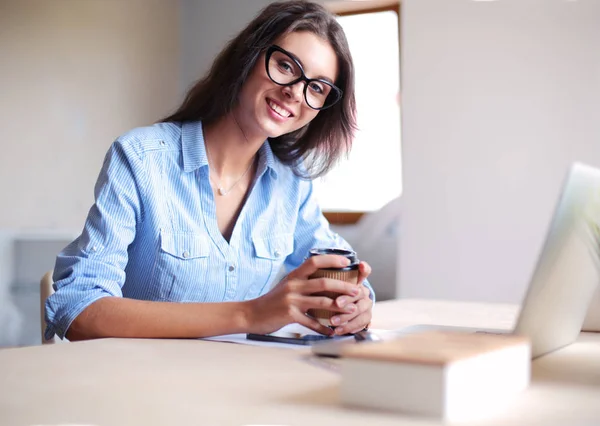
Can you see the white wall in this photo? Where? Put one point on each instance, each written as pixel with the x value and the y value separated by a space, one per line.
pixel 497 99
pixel 74 75
pixel 206 26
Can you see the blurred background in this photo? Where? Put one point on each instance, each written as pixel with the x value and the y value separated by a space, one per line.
pixel 470 113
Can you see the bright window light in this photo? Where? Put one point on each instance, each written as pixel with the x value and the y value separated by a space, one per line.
pixel 371 175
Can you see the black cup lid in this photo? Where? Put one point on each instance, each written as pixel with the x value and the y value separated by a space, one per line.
pixel 350 254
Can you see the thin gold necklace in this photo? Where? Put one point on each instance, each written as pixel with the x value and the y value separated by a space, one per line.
pixel 222 191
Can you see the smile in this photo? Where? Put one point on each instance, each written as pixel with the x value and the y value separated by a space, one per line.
pixel 279 109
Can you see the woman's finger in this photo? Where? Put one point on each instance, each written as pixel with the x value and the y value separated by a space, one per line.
pixel 362 306
pixel 343 300
pixel 364 270
pixel 314 263
pixel 355 325
pixel 317 285
pixel 326 303
pixel 313 324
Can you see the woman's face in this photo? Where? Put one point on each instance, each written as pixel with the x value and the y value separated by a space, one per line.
pixel 267 109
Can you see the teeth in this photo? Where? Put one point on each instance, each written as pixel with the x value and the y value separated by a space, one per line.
pixel 278 109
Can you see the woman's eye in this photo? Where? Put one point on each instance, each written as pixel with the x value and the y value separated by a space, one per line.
pixel 317 88
pixel 287 67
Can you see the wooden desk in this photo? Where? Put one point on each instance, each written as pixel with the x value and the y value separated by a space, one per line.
pixel 192 382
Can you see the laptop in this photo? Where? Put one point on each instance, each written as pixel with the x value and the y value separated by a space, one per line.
pixel 565 279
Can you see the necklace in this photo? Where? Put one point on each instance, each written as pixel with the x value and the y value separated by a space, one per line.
pixel 222 191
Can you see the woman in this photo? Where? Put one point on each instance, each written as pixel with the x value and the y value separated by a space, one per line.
pixel 195 215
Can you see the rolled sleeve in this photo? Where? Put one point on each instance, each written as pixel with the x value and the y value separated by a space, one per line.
pixel 92 266
pixel 313 230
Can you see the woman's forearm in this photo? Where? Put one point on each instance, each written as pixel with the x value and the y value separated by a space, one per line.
pixel 123 317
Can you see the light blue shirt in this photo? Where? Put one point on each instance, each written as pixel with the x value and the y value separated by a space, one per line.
pixel 152 232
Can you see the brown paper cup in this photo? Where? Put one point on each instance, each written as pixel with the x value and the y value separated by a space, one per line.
pixel 323 315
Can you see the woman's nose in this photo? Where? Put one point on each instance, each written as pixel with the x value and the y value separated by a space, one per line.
pixel 295 91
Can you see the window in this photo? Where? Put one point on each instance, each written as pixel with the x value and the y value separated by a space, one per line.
pixel 373 167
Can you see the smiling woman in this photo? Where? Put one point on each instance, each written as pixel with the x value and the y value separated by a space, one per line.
pixel 195 215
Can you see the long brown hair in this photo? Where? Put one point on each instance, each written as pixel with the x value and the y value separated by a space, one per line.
pixel 319 144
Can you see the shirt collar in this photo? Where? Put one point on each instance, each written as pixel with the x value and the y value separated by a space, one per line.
pixel 266 159
pixel 192 146
pixel 194 150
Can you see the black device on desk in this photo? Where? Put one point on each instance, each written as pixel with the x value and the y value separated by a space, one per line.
pixel 294 338
pixel 307 339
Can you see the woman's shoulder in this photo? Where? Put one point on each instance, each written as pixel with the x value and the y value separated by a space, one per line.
pixel 149 138
pixel 292 179
pixel 284 173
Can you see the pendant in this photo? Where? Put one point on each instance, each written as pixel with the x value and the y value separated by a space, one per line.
pixel 222 191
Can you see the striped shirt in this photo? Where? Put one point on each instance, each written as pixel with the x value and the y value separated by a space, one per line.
pixel 152 232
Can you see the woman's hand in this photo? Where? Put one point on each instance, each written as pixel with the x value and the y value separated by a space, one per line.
pixel 289 300
pixel 361 317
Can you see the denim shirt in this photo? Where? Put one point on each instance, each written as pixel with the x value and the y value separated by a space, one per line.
pixel 152 232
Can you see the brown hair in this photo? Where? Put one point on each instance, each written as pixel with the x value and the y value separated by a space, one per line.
pixel 318 144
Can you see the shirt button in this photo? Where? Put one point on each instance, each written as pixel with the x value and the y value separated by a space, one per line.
pixel 94 248
pixel 162 142
pixel 276 253
pixel 186 254
pixel 231 268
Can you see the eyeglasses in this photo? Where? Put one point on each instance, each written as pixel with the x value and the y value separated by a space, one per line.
pixel 285 70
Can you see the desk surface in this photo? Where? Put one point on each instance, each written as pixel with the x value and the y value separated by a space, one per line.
pixel 181 382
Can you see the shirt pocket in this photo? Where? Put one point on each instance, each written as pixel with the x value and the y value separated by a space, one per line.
pixel 181 271
pixel 270 253
pixel 185 245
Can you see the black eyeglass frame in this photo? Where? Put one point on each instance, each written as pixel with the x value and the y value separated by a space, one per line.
pixel 336 91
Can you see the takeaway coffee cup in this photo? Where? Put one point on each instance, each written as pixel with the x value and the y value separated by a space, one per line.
pixel 348 274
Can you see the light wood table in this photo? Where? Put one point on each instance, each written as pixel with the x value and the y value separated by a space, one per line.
pixel 194 382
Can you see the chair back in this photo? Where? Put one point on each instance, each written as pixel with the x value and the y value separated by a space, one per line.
pixel 46 290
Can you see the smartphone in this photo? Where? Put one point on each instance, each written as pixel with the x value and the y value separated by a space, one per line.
pixel 295 338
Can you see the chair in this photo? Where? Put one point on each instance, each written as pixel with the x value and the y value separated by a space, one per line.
pixel 375 238
pixel 46 290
